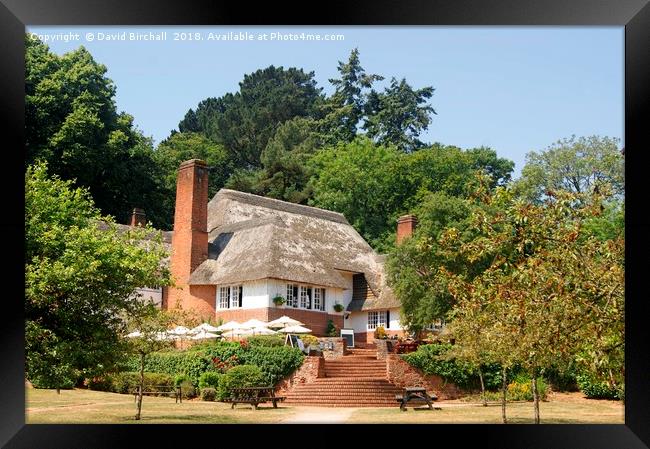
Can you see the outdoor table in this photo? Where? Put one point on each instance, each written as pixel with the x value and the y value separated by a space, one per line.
pixel 416 394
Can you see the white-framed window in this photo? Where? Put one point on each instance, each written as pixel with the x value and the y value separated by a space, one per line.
pixel 292 295
pixel 224 297
pixel 305 297
pixel 319 299
pixel 377 318
pixel 230 297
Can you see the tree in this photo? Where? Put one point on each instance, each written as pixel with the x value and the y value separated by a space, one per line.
pixel 349 97
pixel 576 165
pixel 244 122
pixel 398 115
pixel 149 322
pixel 181 147
pixel 81 272
pixel 551 295
pixel 72 123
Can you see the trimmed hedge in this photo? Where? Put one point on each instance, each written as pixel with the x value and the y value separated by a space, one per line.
pixel 209 379
pixel 463 375
pixel 266 340
pixel 241 376
pixel 127 382
pixel 276 362
pixel 208 394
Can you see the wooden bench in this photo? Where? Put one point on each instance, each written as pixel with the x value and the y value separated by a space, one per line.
pixel 417 395
pixel 254 396
pixel 162 390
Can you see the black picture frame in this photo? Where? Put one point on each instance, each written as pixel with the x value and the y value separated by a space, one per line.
pixel 634 15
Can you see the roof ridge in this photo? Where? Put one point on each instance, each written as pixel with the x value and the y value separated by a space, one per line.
pixel 284 206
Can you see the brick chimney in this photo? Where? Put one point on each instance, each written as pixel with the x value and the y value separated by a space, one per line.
pixel 405 226
pixel 190 239
pixel 138 217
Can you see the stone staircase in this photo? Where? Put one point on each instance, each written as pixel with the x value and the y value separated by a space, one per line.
pixel 357 379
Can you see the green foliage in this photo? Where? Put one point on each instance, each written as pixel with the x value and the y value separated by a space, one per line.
pixel 521 389
pixel 79 275
pixel 127 382
pixel 101 383
pixel 577 165
pixel 241 376
pixel 431 360
pixel 398 115
pixel 309 340
pixel 72 123
pixel 380 333
pixel 266 340
pixel 275 362
pixel 599 389
pixel 331 330
pixel 208 394
pixel 209 379
pixel 182 363
pixel 279 300
pixel 245 121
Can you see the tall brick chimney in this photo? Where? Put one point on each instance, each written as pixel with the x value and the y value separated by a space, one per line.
pixel 190 239
pixel 406 224
pixel 138 217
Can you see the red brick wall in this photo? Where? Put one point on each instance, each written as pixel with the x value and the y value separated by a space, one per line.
pixel 316 321
pixel 312 368
pixel 190 238
pixel 404 375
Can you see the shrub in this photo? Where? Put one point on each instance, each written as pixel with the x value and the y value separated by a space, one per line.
pixel 101 383
pixel 279 300
pixel 208 394
pixel 338 307
pixel 241 376
pixel 266 340
pixel 274 362
pixel 331 330
pixel 309 340
pixel 127 382
pixel 380 333
pixel 561 380
pixel 595 389
pixel 187 387
pixel 522 389
pixel 209 379
pixel 190 363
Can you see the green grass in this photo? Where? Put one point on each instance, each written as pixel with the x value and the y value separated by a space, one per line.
pixel 93 407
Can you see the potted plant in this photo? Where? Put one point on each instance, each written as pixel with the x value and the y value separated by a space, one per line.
pixel 338 307
pixel 279 300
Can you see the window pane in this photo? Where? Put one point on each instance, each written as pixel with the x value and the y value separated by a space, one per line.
pixel 304 297
pixel 317 296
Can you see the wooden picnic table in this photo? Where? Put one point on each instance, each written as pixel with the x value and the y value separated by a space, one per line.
pixel 254 396
pixel 417 395
pixel 164 390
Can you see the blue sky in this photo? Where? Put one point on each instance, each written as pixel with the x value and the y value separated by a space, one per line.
pixel 514 89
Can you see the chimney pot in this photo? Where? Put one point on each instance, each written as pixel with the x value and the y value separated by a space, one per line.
pixel 138 217
pixel 406 225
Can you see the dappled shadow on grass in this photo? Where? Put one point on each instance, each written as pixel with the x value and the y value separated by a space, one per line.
pixel 198 419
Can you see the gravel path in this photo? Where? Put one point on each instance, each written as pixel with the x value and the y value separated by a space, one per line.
pixel 320 415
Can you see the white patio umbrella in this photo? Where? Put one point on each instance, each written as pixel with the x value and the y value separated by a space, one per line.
pixel 262 331
pixel 253 323
pixel 237 333
pixel 230 325
pixel 295 330
pixel 203 335
pixel 205 327
pixel 180 330
pixel 284 321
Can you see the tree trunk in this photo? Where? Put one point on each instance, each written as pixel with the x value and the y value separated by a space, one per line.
pixel 480 376
pixel 535 397
pixel 58 390
pixel 504 390
pixel 140 388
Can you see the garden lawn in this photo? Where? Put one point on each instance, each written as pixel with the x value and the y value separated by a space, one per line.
pixel 95 407
pixel 561 408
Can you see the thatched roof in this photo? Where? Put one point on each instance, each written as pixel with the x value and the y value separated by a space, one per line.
pixel 252 237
